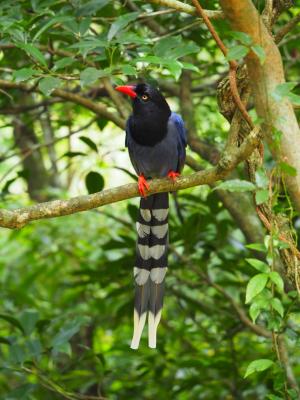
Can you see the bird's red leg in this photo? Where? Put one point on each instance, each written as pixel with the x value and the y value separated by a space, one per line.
pixel 173 175
pixel 142 185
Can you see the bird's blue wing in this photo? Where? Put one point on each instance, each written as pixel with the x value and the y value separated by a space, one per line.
pixel 181 137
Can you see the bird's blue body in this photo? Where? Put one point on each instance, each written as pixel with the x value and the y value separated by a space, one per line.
pixel 164 156
pixel 156 141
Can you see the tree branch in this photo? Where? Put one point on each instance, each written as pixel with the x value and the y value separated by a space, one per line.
pixel 185 8
pixel 20 217
pixel 97 108
pixel 287 28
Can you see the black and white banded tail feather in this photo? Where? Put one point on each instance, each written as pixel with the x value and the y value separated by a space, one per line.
pixel 150 265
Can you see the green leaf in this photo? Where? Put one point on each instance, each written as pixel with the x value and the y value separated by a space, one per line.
pixel 256 246
pixel 89 143
pixel 181 51
pixel 91 7
pixel 67 332
pixel 236 185
pixel 277 305
pixel 254 311
pixel 293 294
pixel 28 320
pixel 150 60
pixel 33 52
pixel 128 69
pixel 259 265
pixel 121 23
pixel 72 154
pixel 237 52
pixel 94 182
pixel 90 75
pixel 51 22
pixel 242 37
pixel 294 98
pixel 17 354
pixel 261 179
pixel 164 45
pixel 63 63
pixel 190 67
pixel 84 26
pixel 86 45
pixel 255 286
pixel 101 123
pixel 260 52
pixel 288 169
pixel 283 90
pixel 23 74
pixel 277 280
pixel 47 85
pixel 13 321
pixel 175 68
pixel 261 196
pixel 132 211
pixel 34 348
pixel 258 366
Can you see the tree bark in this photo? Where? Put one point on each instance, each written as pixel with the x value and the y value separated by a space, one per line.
pixel 35 172
pixel 277 116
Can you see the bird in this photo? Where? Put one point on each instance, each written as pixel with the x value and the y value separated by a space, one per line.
pixel 156 139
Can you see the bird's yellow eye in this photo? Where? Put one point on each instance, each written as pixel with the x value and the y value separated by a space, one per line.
pixel 145 97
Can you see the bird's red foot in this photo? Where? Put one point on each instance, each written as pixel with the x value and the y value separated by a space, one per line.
pixel 173 175
pixel 142 185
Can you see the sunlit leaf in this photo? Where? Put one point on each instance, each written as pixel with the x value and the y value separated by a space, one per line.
pixel 24 74
pixel 277 305
pixel 237 52
pixel 277 280
pixel 258 366
pixel 48 84
pixel 90 75
pixel 236 185
pixel 261 196
pixel 287 168
pixel 256 285
pixel 258 264
pixel 33 52
pixel 121 23
pixel 242 37
pixel 260 52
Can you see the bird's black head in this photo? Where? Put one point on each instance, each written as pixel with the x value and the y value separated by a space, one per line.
pixel 150 101
pixel 148 124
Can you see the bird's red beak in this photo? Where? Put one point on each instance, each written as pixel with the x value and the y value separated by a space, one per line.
pixel 129 90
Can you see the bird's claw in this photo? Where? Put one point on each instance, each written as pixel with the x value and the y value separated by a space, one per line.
pixel 173 175
pixel 142 185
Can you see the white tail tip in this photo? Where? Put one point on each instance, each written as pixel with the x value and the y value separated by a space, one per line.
pixel 139 323
pixel 153 322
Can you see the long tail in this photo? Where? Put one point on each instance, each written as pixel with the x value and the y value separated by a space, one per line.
pixel 150 266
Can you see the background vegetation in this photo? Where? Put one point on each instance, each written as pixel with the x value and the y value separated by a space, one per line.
pixel 230 326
